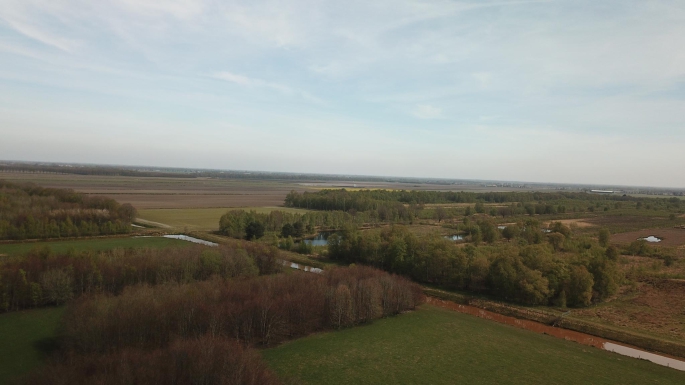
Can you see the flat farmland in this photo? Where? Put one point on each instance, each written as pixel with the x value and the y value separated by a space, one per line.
pixel 199 218
pixel 160 193
pixel 176 193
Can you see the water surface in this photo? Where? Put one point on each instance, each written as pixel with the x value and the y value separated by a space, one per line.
pixel 321 239
pixel 191 239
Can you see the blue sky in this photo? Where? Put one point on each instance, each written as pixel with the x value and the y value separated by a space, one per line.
pixel 549 91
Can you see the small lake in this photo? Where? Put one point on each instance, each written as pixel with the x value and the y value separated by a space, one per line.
pixel 321 239
pixel 455 237
pixel 652 239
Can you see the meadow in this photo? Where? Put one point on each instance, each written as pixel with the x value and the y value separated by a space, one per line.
pixel 94 244
pixel 26 338
pixel 199 219
pixel 439 346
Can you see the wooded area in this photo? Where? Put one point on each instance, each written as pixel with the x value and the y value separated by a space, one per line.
pixel 42 278
pixel 28 211
pixel 144 327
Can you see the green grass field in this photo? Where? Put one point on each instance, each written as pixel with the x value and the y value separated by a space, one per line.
pixel 96 244
pixel 200 219
pixel 26 338
pixel 438 346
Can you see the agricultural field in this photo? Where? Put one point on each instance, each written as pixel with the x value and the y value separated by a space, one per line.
pixel 440 346
pixel 94 244
pixel 176 193
pixel 158 193
pixel 198 219
pixel 26 338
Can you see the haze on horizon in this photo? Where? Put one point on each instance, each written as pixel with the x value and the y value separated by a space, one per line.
pixel 541 91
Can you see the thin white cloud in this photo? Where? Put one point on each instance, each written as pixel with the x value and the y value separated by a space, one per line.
pixel 47 38
pixel 570 67
pixel 249 82
pixel 426 111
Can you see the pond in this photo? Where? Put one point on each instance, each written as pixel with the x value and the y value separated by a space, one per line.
pixel 321 239
pixel 455 237
pixel 652 239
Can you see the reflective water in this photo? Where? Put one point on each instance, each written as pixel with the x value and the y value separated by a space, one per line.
pixel 321 239
pixel 652 238
pixel 191 239
pixel 455 237
pixel 298 266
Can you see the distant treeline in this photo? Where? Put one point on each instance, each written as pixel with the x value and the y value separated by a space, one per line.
pixel 251 224
pixel 144 327
pixel 533 268
pixel 42 278
pixel 28 211
pixel 364 200
pixel 373 206
pixel 78 169
pixel 91 170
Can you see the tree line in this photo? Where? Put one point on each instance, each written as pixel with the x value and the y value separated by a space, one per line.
pixel 532 268
pixel 364 200
pixel 28 211
pixel 144 322
pixel 42 278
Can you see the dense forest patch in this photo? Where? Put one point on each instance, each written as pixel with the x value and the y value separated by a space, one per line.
pixel 28 211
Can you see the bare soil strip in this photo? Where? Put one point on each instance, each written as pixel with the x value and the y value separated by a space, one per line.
pixel 537 327
pixel 568 335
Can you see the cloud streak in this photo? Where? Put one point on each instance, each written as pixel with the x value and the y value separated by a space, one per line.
pixel 518 81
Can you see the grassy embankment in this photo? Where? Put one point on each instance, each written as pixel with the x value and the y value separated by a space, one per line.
pixel 26 338
pixel 96 244
pixel 438 346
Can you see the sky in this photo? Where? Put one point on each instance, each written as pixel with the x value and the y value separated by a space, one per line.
pixel 541 91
